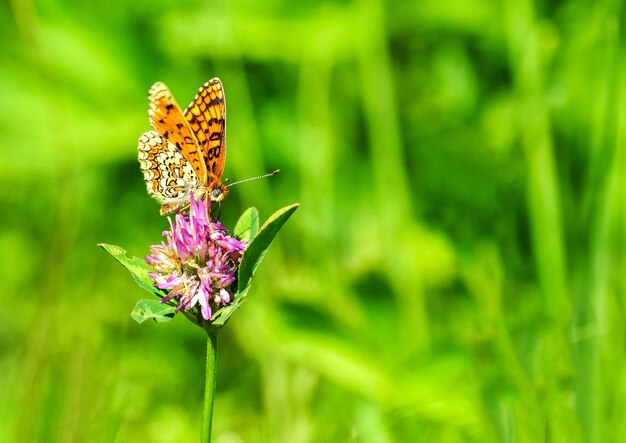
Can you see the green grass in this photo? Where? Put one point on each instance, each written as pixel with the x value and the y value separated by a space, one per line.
pixel 455 271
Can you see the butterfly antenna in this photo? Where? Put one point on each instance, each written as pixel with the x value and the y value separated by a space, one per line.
pixel 254 178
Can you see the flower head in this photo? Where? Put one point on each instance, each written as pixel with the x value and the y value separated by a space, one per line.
pixel 198 261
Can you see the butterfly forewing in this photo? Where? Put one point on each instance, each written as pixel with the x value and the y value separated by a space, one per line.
pixel 169 176
pixel 167 120
pixel 207 118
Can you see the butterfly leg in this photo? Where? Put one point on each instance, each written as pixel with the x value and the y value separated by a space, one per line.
pixel 219 210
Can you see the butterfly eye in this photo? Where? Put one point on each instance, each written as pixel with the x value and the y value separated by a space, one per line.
pixel 216 193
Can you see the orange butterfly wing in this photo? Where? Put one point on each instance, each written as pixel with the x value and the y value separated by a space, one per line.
pixel 167 119
pixel 207 118
pixel 168 175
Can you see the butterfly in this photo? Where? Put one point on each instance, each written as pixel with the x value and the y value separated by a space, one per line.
pixel 185 152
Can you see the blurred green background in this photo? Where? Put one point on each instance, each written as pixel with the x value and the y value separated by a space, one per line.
pixel 455 272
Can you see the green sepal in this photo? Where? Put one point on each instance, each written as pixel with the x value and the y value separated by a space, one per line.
pixel 248 225
pixel 222 315
pixel 147 309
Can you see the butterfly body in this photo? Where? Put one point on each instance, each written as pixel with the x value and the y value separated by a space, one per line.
pixel 185 152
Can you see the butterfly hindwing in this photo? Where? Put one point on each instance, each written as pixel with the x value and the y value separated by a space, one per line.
pixel 167 120
pixel 168 175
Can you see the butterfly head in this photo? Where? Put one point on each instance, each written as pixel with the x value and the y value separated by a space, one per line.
pixel 218 193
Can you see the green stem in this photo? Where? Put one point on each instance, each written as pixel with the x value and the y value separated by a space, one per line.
pixel 209 385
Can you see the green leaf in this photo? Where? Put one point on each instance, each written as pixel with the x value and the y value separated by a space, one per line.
pixel 258 247
pixel 152 309
pixel 248 225
pixel 253 256
pixel 137 267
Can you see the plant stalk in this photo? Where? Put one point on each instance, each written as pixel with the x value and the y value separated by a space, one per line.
pixel 209 385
